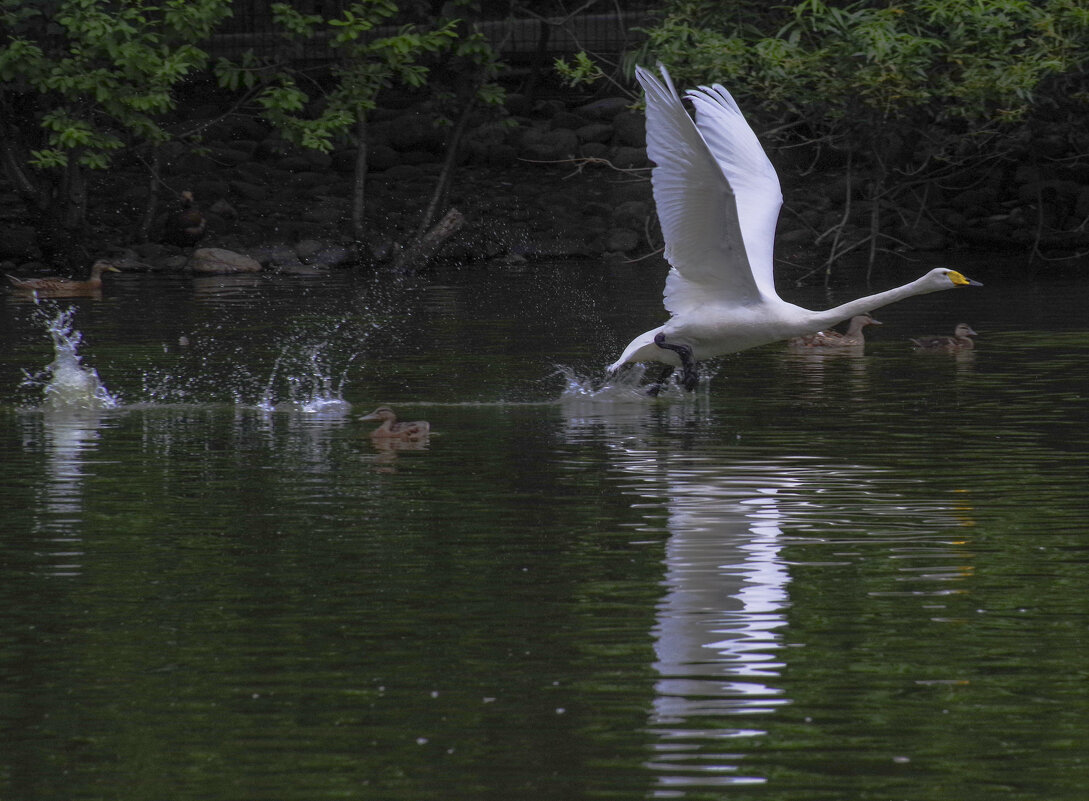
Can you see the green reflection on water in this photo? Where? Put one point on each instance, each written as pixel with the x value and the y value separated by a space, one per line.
pixel 821 578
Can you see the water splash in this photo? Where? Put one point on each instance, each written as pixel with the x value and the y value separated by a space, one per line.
pixel 626 386
pixel 308 374
pixel 310 386
pixel 66 383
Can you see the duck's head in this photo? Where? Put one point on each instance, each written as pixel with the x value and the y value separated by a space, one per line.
pixel 964 330
pixel 382 413
pixel 103 266
pixel 860 321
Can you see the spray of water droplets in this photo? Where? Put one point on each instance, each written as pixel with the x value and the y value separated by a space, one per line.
pixel 66 383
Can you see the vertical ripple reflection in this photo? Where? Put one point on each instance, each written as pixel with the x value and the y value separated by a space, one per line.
pixel 717 632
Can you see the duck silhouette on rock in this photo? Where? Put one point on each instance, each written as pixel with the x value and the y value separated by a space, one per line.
pixel 186 226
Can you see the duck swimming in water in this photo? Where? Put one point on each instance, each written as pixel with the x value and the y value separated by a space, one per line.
pixel 831 338
pixel 55 285
pixel 718 200
pixel 961 340
pixel 391 429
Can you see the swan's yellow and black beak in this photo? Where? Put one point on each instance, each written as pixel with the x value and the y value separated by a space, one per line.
pixel 960 280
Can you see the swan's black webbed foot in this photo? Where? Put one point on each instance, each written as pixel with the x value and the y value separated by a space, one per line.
pixel 660 384
pixel 690 377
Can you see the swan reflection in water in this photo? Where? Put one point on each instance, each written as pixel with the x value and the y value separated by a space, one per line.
pixel 720 636
pixel 719 631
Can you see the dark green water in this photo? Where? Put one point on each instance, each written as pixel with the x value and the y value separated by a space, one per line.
pixel 840 578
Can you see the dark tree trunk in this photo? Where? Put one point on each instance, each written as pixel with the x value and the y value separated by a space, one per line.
pixel 442 186
pixel 359 185
pixel 153 191
pixel 420 253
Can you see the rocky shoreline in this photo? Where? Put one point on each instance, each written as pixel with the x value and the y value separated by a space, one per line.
pixel 563 182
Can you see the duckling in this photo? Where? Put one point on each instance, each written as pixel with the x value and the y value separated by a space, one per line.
pixel 961 340
pixel 391 429
pixel 55 285
pixel 186 226
pixel 834 339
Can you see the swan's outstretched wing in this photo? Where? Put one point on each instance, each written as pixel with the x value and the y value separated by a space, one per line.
pixel 698 208
pixel 750 173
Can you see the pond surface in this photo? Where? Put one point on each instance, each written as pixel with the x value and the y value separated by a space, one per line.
pixel 817 578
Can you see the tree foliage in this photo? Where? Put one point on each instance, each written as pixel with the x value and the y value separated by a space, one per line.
pixel 911 90
pixel 859 63
pixel 365 64
pixel 81 80
pixel 105 72
pixel 84 80
pixel 368 61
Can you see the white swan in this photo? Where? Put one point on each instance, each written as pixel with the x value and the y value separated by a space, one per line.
pixel 718 199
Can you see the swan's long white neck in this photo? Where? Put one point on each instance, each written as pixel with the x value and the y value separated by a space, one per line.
pixel 920 286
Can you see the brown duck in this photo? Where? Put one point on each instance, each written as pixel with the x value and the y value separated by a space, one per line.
pixel 55 285
pixel 831 338
pixel 391 429
pixel 961 340
pixel 186 226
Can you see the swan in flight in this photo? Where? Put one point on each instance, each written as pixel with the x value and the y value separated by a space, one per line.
pixel 718 200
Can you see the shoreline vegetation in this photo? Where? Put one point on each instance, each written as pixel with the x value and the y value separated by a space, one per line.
pixel 123 136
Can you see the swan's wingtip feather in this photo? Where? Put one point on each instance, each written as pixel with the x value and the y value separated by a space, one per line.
pixel 648 79
pixel 717 94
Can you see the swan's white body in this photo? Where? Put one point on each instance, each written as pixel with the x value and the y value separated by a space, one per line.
pixel 718 201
